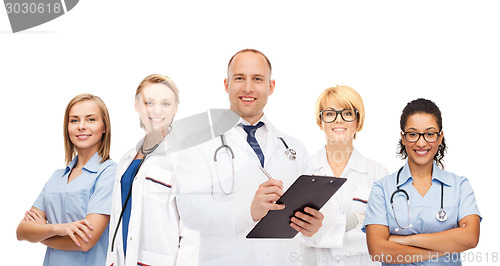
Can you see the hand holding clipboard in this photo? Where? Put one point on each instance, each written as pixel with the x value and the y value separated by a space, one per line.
pixel 302 200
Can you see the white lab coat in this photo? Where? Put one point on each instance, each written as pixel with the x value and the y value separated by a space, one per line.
pixel 224 221
pixel 155 234
pixel 334 245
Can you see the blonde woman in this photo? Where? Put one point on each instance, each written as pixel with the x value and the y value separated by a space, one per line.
pixel 145 226
pixel 71 214
pixel 340 114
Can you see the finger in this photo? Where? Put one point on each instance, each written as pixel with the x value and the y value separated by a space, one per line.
pixel 88 224
pixel 82 230
pixel 74 240
pixel 275 207
pixel 272 182
pixel 305 217
pixel 301 230
pixel 270 190
pixel 29 217
pixel 271 198
pixel 300 223
pixel 81 234
pixel 313 212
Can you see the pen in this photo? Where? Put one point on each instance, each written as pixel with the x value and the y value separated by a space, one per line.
pixel 265 172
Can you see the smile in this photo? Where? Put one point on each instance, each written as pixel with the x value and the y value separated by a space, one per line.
pixel 339 129
pixel 156 120
pixel 421 152
pixel 248 99
pixel 83 136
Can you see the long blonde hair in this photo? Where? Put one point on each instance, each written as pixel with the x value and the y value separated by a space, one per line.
pixel 104 148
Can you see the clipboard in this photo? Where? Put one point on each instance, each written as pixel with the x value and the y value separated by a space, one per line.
pixel 306 191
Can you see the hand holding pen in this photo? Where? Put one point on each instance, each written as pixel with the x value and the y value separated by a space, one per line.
pixel 266 196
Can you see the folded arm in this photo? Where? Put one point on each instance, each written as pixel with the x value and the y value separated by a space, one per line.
pixel 76 236
pixel 383 250
pixel 455 240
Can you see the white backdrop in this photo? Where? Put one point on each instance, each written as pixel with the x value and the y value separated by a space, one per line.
pixel 391 52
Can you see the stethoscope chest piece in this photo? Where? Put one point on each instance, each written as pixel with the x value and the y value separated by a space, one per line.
pixel 441 215
pixel 291 154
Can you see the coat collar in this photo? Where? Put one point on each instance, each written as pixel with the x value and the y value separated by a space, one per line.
pixel 355 162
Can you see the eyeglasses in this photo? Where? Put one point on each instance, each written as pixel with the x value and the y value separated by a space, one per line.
pixel 329 115
pixel 415 136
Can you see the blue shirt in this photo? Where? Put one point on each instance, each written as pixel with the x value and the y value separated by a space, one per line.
pixel 458 202
pixel 126 185
pixel 65 202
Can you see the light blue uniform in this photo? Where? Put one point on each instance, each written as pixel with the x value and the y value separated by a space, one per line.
pixel 458 202
pixel 65 202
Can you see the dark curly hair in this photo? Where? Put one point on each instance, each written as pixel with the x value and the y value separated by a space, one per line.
pixel 427 107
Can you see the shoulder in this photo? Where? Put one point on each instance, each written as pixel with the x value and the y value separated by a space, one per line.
pixel 373 167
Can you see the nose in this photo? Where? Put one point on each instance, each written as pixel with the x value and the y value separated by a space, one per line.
pixel 248 86
pixel 421 141
pixel 155 109
pixel 82 125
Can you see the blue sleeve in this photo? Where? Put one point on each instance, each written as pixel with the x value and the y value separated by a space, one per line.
pixel 100 200
pixel 467 204
pixel 376 210
pixel 40 200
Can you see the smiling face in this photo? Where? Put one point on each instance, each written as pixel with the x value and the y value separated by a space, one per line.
pixel 338 131
pixel 86 127
pixel 421 153
pixel 156 105
pixel 249 84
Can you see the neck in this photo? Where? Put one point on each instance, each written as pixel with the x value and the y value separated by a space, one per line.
pixel 338 154
pixel 84 156
pixel 152 138
pixel 420 172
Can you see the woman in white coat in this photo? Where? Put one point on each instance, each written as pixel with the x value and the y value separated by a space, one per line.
pixel 145 227
pixel 340 115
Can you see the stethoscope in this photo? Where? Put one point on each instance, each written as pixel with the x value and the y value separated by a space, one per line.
pixel 291 154
pixel 440 215
pixel 145 153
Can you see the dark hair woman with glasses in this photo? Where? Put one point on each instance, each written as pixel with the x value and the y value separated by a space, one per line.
pixel 442 219
pixel 340 115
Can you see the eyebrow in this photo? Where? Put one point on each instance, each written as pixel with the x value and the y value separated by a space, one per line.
pixel 79 116
pixel 414 129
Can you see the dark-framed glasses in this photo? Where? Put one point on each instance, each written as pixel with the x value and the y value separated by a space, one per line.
pixel 329 115
pixel 412 136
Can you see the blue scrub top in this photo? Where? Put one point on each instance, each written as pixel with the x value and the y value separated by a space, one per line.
pixel 126 185
pixel 458 202
pixel 65 202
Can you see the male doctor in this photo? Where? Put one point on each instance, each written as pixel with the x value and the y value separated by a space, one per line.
pixel 224 198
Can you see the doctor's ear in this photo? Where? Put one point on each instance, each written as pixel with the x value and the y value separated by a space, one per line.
pixel 272 84
pixel 226 84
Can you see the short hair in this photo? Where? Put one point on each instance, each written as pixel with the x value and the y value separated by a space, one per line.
pixel 104 147
pixel 422 106
pixel 157 79
pixel 252 51
pixel 346 97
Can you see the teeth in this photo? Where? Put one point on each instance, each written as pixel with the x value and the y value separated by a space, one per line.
pixel 339 129
pixel 247 99
pixel 421 152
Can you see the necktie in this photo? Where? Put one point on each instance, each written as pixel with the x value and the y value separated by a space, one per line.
pixel 250 130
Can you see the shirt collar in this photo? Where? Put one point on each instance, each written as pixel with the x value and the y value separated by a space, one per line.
pixel 437 174
pixel 356 162
pixel 92 165
pixel 263 118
